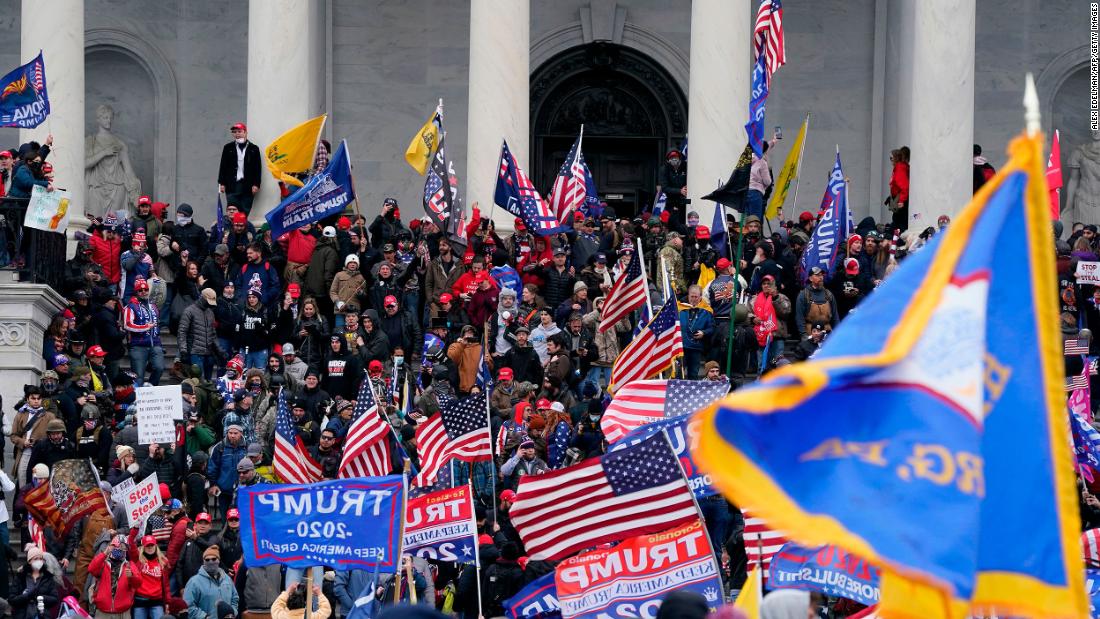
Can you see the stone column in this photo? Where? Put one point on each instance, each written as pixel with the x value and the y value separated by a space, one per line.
pixel 285 80
pixel 718 95
pixel 499 101
pixel 942 111
pixel 59 32
pixel 25 313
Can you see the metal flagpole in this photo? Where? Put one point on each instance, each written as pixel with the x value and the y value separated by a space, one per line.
pixel 489 429
pixel 798 169
pixel 386 420
pixel 477 554
pixel 699 512
pixel 645 277
pixel 351 177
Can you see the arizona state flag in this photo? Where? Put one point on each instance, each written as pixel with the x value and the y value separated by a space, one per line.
pixel 958 479
pixel 294 151
pixel 423 144
pixel 788 174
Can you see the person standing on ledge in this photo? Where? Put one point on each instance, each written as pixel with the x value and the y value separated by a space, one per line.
pixel 239 170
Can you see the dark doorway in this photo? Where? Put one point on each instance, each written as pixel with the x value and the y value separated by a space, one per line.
pixel 632 112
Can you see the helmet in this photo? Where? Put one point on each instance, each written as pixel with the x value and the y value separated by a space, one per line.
pixel 90 411
pixel 55 425
pixel 433 348
pixel 439 372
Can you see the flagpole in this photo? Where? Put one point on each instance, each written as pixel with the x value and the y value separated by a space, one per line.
pixel 489 426
pixel 500 160
pixel 477 554
pixel 698 512
pixel 798 168
pixel 351 177
pixel 645 277
pixel 385 419
pixel 401 536
pixel 309 590
pixel 736 292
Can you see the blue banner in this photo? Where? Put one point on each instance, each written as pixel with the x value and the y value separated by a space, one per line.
pixel 683 433
pixel 538 600
pixel 827 569
pixel 345 524
pixel 324 194
pixel 757 101
pixel 831 232
pixel 24 102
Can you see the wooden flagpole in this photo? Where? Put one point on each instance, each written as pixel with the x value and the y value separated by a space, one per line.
pixel 798 169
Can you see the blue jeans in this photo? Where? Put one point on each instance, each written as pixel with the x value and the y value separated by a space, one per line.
pixel 716 515
pixel 152 356
pixel 692 359
pixel 599 375
pixel 205 363
pixel 257 359
pixel 169 294
pixel 754 204
pixel 773 351
pixel 6 541
pixel 153 612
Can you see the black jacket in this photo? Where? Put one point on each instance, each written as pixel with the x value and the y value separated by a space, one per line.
pixel 191 237
pixel 500 581
pixel 525 364
pixel 227 169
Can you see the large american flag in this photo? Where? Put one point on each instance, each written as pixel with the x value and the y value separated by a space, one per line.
pixel 292 462
pixel 645 401
pixel 460 430
pixel 367 446
pixel 516 194
pixel 568 193
pixel 768 36
pixel 654 349
pixel 626 294
pixel 633 491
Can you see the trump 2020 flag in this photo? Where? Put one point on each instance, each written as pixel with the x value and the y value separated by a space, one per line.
pixel 832 230
pixel 516 194
pixel 24 102
pixel 968 446
pixel 325 194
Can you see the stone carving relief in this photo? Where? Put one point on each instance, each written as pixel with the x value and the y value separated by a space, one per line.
pixel 13 334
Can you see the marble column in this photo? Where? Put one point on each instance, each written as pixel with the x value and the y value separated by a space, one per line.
pixel 61 40
pixel 499 97
pixel 941 122
pixel 25 314
pixel 718 95
pixel 285 80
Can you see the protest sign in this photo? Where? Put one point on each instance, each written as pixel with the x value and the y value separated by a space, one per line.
pixel 157 408
pixel 48 210
pixel 441 526
pixel 631 579
pixel 683 433
pixel 344 524
pixel 142 499
pixel 827 569
pixel 539 599
pixel 1088 272
pixel 118 493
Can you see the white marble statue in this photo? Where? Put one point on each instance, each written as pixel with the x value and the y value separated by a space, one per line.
pixel 112 184
pixel 1083 188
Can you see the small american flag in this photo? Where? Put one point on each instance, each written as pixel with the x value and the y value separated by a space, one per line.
pixel 657 345
pixel 645 401
pixel 1076 347
pixel 634 491
pixel 366 449
pixel 762 551
pixel 626 295
pixel 460 430
pixel 515 193
pixel 292 462
pixel 1080 381
pixel 768 36
pixel 568 193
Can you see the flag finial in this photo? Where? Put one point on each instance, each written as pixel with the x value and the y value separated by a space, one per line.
pixel 1031 106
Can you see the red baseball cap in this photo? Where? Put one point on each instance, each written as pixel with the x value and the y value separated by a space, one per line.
pixel 578 216
pixel 148 540
pixel 240 218
pixel 165 493
pixel 504 374
pixel 295 291
pixel 241 126
pixel 484 540
pixel 233 513
pixel 481 277
pixel 851 266
pixel 5 153
pixel 519 222
pixel 343 223
pixel 543 403
pixel 805 216
pixel 723 263
pixel 445 297
pixel 97 351
pixel 702 232
pixel 389 300
pixel 507 495
pixel 145 200
pixel 203 517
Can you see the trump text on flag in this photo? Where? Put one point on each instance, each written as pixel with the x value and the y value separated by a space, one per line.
pixel 440 526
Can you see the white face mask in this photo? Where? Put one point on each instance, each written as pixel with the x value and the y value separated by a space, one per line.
pixel 183 220
pixel 241 140
pixel 37 564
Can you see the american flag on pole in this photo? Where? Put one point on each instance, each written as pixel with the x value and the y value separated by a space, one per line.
pixel 645 401
pixel 516 194
pixel 626 295
pixel 768 36
pixel 761 543
pixel 292 462
pixel 633 491
pixel 460 430
pixel 367 446
pixel 657 345
pixel 568 193
pixel 1076 347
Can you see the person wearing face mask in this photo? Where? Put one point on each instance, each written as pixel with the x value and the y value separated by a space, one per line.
pixel 92 529
pixel 189 236
pixel 229 541
pixel 55 448
pixel 117 580
pixel 210 586
pixel 672 181
pixel 199 538
pixel 239 169
pixel 92 440
pixel 34 581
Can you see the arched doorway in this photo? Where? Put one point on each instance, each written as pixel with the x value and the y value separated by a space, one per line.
pixel 632 111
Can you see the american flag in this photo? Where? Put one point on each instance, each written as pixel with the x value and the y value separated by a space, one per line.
pixel 768 36
pixel 657 345
pixel 646 401
pixel 1079 381
pixel 568 193
pixel 367 448
pixel 438 200
pixel 460 430
pixel 292 462
pixel 1076 347
pixel 761 543
pixel 633 491
pixel 516 194
pixel 626 295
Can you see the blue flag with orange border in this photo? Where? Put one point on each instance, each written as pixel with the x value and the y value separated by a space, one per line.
pixel 24 101
pixel 959 480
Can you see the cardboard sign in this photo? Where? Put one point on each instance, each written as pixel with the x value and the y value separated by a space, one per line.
pixel 1088 272
pixel 142 499
pixel 48 210
pixel 157 408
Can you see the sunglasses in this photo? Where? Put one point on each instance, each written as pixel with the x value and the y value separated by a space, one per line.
pixel 211 561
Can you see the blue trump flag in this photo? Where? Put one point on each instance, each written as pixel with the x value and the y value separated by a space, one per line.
pixel 591 206
pixel 538 600
pixel 346 524
pixel 24 102
pixel 827 569
pixel 832 230
pixel 757 101
pixel 967 446
pixel 517 194
pixel 324 194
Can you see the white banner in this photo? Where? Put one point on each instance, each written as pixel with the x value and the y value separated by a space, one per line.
pixel 157 408
pixel 48 210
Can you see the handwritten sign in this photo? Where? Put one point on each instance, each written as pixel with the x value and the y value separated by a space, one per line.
pixel 157 409
pixel 48 210
pixel 1088 272
pixel 142 499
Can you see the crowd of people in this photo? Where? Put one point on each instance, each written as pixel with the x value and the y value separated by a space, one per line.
pixel 415 311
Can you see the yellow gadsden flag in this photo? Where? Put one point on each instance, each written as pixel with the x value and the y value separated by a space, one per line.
pixel 423 144
pixel 789 173
pixel 294 151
